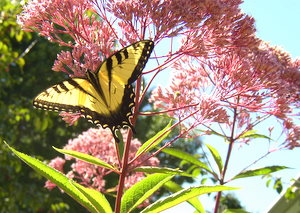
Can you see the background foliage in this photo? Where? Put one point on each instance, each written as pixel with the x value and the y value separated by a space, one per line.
pixel 21 189
pixel 25 70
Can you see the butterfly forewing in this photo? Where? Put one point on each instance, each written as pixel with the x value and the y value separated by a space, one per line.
pixel 126 65
pixel 121 69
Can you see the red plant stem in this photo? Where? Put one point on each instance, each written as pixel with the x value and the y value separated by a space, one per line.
pixel 231 142
pixel 123 173
pixel 125 164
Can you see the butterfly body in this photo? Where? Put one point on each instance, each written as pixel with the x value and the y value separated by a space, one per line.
pixel 105 97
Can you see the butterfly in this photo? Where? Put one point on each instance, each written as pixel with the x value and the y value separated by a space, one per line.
pixel 104 97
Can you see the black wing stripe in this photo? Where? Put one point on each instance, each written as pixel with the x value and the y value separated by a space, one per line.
pixel 56 89
pixel 109 65
pixel 142 61
pixel 126 53
pixel 76 85
pixel 119 57
pixel 94 80
pixel 63 86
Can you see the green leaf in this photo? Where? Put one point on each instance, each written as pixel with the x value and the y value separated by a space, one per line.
pixel 45 124
pixel 85 157
pixel 21 62
pixel 216 156
pixel 66 184
pixel 181 196
pixel 234 211
pixel 19 36
pixel 158 138
pixel 165 170
pixel 120 145
pixel 187 157
pixel 268 182
pixel 253 134
pixel 140 191
pixel 174 187
pixel 97 199
pixel 260 171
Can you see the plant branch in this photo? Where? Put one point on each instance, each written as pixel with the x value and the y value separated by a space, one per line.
pixel 125 165
pixel 231 142
pixel 123 173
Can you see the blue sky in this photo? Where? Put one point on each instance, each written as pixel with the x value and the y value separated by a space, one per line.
pixel 277 22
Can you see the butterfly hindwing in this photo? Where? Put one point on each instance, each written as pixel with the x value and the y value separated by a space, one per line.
pixel 106 97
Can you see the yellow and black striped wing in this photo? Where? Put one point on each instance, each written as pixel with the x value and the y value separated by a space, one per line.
pixel 76 95
pixel 106 97
pixel 113 82
pixel 122 69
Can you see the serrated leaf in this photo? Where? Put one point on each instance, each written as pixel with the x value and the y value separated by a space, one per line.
pixel 174 187
pixel 85 157
pixel 187 157
pixel 181 196
pixel 140 191
pixel 158 138
pixel 216 157
pixel 97 199
pixel 62 182
pixel 260 171
pixel 165 170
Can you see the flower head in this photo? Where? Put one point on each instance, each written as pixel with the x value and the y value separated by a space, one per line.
pixel 241 80
pixel 74 24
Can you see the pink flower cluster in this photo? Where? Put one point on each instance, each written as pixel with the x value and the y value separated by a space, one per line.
pixel 100 144
pixel 249 81
pixel 74 24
